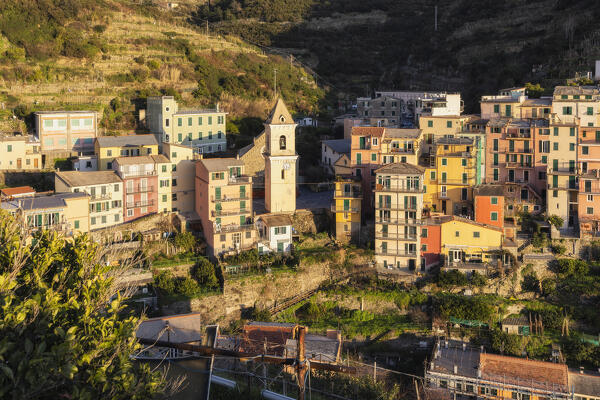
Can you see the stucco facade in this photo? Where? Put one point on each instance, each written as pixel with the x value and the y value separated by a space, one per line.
pixel 20 153
pixel 66 131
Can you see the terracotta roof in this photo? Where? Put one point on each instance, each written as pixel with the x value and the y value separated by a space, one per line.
pixel 534 373
pixel 367 131
pixel 128 140
pixel 400 168
pixel 221 164
pixel 280 114
pixel 488 190
pixel 142 160
pixel 17 191
pixel 257 335
pixel 78 178
pixel 410 133
pixel 455 140
pixel 584 384
pixel 276 219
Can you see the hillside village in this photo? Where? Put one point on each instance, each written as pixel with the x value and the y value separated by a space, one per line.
pixel 275 199
pixel 425 191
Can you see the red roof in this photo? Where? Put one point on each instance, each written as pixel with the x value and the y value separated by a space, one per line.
pixel 274 336
pixel 513 370
pixel 367 130
pixel 17 191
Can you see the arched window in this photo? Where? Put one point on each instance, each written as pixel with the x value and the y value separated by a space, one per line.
pixel 282 142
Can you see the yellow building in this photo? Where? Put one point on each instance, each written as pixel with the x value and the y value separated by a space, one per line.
pixel 450 176
pixel 437 127
pixel 183 167
pixel 107 148
pixel 224 204
pixel 401 146
pixel 470 246
pixel 166 183
pixel 347 199
pixel 67 213
pixel 398 217
pixel 281 160
pixel 20 153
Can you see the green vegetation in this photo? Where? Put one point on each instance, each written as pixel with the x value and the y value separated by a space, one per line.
pixel 60 335
pixel 203 280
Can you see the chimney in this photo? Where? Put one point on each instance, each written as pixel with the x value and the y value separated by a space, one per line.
pixel 455 369
pixel 464 346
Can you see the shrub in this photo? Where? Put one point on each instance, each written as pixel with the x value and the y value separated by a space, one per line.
pixel 99 28
pixel 164 281
pixel 204 272
pixel 140 59
pixel 506 343
pixel 478 279
pixel 558 249
pixel 530 283
pixel 452 278
pixel 567 267
pixel 185 241
pixel 187 287
pixel 556 221
pixel 15 54
pixel 261 314
pixel 153 64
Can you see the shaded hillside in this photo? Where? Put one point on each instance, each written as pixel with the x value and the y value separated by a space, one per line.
pixel 109 55
pixel 478 47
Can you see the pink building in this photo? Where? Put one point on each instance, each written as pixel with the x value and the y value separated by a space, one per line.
pixel 140 181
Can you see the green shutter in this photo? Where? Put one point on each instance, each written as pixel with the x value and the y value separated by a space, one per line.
pixel 346 205
pixel 242 220
pixel 218 193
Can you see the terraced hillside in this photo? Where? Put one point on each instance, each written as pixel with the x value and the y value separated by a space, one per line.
pixel 141 53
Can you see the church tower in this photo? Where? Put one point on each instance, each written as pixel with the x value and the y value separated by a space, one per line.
pixel 280 160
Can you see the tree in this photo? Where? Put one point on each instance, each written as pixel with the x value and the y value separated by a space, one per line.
pixel 452 278
pixel 478 279
pixel 61 336
pixel 506 343
pixel 204 272
pixel 185 241
pixel 556 221
pixel 534 91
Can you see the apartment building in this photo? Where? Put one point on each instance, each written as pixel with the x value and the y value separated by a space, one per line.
pixel 274 233
pixel 398 216
pixel 506 104
pixel 224 204
pixel 438 127
pixel 588 154
pixel 140 180
pixel 469 246
pixel 202 130
pixel 562 173
pixel 347 199
pixel 383 111
pixel 456 369
pixel 332 151
pixel 577 104
pixel 183 181
pixel 67 213
pixel 450 176
pixel 66 131
pixel 400 146
pixel 107 148
pixel 105 191
pixel 431 242
pixel 20 153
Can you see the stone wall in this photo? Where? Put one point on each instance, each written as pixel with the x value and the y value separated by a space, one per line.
pixel 41 181
pixel 260 290
pixel 254 160
pixel 312 221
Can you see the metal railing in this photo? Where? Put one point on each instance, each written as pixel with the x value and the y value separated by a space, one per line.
pixel 100 196
pixel 233 228
pixel 240 179
pixel 343 209
pixel 355 194
pixel 215 199
pixel 140 189
pixel 225 213
pixel 409 221
pixel 135 204
pixel 383 188
pixel 393 252
pixel 398 207
pixel 395 236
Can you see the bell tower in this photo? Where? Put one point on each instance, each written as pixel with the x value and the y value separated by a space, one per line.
pixel 280 160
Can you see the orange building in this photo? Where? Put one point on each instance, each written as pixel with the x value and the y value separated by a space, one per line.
pixel 431 242
pixel 489 205
pixel 589 180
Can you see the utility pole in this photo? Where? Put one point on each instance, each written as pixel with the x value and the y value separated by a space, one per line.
pixel 301 362
pixel 436 18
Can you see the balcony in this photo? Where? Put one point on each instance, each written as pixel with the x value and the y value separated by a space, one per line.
pixel 227 213
pixel 241 179
pixel 399 253
pixel 222 199
pixel 140 189
pixel 399 207
pixel 397 150
pixel 395 236
pixel 133 174
pixel 101 196
pixel 589 142
pixel 382 188
pixel 511 164
pixel 335 209
pixel 510 134
pixel 355 194
pixel 409 221
pixel 564 186
pixel 136 204
pixel 233 228
pixel 518 151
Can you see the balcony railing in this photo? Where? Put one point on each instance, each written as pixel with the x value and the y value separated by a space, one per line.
pixel 100 196
pixel 398 207
pixel 342 209
pixel 138 173
pixel 356 194
pixel 589 142
pixel 409 221
pixel 136 204
pixel 140 189
pixel 240 179
pixel 225 213
pixel 518 135
pixel 233 228
pixel 221 199
pixel 523 151
pixel 511 164
pixel 383 188
pixel 395 236
pixel 392 252
pixel 401 151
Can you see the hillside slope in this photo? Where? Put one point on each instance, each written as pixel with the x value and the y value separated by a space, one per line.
pixel 478 46
pixel 135 51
